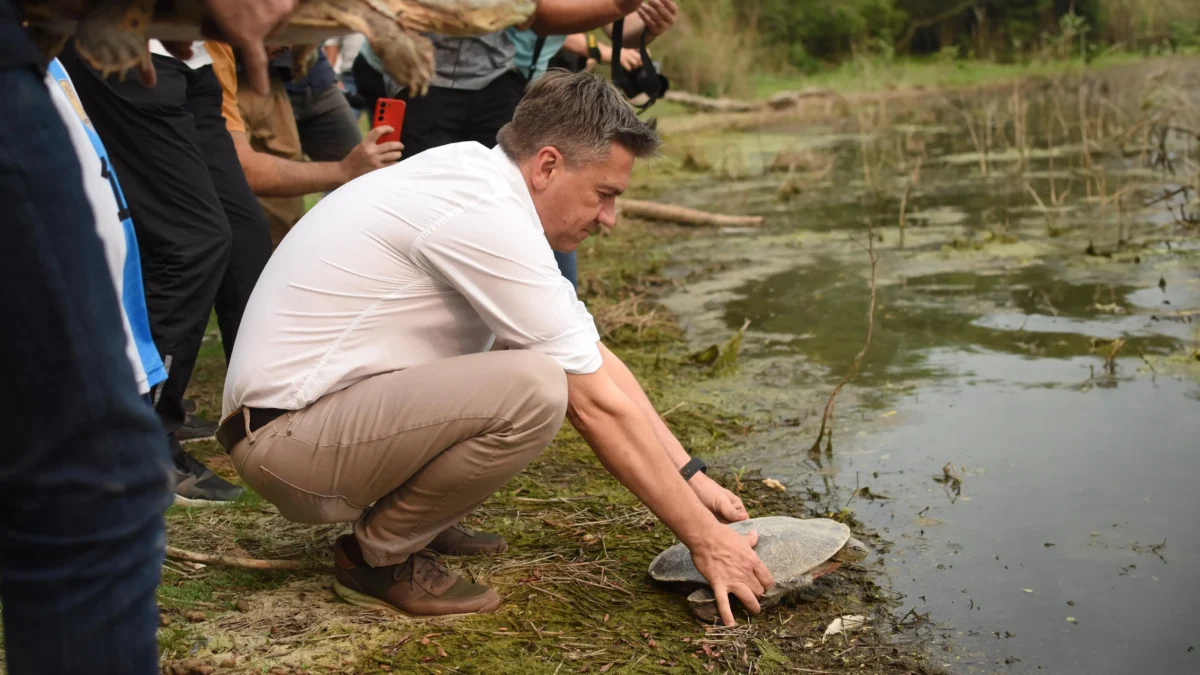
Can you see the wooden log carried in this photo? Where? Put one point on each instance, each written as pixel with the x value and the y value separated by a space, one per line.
pixel 682 214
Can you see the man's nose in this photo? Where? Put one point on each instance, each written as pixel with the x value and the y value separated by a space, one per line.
pixel 608 216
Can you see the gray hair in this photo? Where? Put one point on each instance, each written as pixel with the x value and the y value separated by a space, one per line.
pixel 581 115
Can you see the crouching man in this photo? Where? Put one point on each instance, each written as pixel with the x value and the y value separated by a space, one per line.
pixel 363 386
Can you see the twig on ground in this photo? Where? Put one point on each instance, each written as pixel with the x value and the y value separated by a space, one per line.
pixel 244 563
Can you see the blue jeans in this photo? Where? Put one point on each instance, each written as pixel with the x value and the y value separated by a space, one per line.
pixel 84 470
pixel 566 265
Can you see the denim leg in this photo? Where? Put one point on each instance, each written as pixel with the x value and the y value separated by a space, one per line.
pixel 84 473
pixel 566 265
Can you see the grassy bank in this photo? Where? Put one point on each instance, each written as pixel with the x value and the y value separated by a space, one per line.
pixel 576 595
pixel 863 75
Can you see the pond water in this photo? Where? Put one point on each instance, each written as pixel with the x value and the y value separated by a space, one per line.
pixel 1072 543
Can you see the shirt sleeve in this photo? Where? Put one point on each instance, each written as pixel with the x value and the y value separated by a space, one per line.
pixel 225 69
pixel 507 273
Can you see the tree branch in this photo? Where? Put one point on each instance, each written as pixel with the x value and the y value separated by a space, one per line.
pixel 918 24
pixel 244 563
pixel 825 416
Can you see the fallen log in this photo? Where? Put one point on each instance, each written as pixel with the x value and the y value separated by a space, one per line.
pixel 682 214
pixel 707 104
pixel 233 561
pixel 790 99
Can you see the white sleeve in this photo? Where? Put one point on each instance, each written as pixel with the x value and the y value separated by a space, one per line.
pixel 507 272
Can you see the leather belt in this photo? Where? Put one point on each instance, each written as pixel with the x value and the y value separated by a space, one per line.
pixel 233 428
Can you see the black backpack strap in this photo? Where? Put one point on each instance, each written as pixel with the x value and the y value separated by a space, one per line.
pixel 537 53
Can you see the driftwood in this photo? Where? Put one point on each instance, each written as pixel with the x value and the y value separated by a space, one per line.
pixel 791 99
pixel 682 214
pixel 233 561
pixel 780 101
pixel 705 104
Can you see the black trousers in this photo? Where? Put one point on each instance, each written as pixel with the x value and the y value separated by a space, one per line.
pixel 203 236
pixel 446 116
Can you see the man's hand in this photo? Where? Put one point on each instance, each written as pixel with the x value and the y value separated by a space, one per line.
pixel 725 505
pixel 369 155
pixel 628 7
pixel 244 24
pixel 658 15
pixel 631 59
pixel 728 561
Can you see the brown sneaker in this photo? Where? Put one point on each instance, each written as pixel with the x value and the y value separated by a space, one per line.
pixel 458 540
pixel 419 586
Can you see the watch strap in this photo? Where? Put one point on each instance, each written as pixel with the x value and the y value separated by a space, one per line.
pixel 694 464
pixel 593 48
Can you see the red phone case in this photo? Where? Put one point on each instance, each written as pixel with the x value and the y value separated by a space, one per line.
pixel 390 112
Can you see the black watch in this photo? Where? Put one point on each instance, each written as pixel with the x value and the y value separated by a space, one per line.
pixel 694 464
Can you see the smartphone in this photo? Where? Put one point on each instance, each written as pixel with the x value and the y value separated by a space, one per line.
pixel 389 112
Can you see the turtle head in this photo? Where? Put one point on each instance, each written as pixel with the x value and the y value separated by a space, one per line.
pixel 853 551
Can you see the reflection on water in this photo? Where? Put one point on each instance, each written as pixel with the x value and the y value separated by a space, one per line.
pixel 1029 311
pixel 989 355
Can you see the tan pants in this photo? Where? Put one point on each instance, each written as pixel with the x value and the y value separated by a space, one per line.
pixel 271 127
pixel 407 454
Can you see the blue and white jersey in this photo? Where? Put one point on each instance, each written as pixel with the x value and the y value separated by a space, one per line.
pixel 114 226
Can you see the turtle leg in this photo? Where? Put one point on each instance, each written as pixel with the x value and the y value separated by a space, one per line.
pixel 111 37
pixel 703 602
pixel 704 605
pixel 303 57
pixel 406 55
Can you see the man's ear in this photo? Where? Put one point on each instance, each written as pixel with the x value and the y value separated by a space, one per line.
pixel 546 163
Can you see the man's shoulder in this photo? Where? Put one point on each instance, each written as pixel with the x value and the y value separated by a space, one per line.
pixel 487 171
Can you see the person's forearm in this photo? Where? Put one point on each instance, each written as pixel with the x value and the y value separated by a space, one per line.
pixel 563 17
pixel 271 176
pixel 625 380
pixel 625 444
pixel 576 44
pixel 633 30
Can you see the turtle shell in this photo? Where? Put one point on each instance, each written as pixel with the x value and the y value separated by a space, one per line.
pixel 789 547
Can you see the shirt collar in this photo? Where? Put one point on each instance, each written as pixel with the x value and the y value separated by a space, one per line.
pixel 513 175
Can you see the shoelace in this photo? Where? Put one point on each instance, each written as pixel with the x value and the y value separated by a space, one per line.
pixel 427 564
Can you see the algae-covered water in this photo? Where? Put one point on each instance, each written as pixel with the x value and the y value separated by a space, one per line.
pixel 1071 542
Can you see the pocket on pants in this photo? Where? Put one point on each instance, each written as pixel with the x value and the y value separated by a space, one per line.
pixel 304 506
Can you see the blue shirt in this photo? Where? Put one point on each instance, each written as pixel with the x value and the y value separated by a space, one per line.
pixel 524 41
pixel 133 294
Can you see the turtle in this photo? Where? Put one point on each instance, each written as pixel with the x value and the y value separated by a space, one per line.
pixel 795 550
pixel 111 34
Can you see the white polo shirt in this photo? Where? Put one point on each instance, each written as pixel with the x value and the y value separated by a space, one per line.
pixel 431 258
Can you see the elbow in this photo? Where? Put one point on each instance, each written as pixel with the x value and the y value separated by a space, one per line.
pixel 594 414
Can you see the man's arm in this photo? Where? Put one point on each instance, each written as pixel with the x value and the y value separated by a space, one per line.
pixel 576 43
pixel 563 17
pixel 271 176
pixel 654 18
pixel 724 504
pixel 625 443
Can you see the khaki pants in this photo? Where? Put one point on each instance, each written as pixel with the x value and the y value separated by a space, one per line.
pixel 407 454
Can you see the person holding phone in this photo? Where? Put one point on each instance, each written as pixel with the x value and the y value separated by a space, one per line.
pixel 268 147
